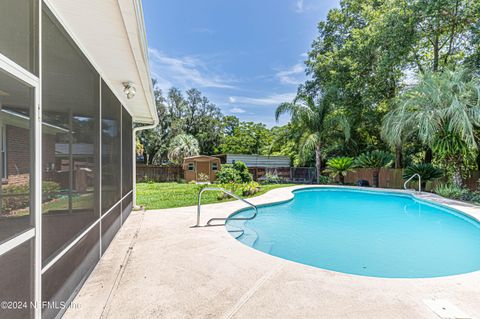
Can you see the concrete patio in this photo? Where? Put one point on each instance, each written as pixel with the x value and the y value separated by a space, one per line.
pixel 159 267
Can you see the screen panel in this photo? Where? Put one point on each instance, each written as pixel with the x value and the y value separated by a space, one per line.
pixel 111 149
pixel 70 138
pixel 16 157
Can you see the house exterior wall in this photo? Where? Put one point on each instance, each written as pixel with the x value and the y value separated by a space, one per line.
pixel 68 180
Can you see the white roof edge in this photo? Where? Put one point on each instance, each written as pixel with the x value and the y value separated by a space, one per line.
pixel 71 15
pixel 146 83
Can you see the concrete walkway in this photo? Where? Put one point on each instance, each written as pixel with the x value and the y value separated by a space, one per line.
pixel 158 267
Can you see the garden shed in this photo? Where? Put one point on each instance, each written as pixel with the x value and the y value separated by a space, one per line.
pixel 196 166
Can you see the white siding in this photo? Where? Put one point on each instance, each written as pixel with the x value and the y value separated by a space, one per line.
pixel 259 161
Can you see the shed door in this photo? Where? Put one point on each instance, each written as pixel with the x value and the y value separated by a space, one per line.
pixel 203 168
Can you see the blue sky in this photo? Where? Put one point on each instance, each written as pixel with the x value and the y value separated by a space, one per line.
pixel 246 56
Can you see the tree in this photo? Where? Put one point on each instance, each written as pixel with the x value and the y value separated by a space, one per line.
pixel 375 160
pixel 247 138
pixel 202 119
pixel 182 146
pixel 442 111
pixel 340 166
pixel 155 141
pixel 317 120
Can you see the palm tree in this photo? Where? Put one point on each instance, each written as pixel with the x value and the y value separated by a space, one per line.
pixel 442 111
pixel 374 160
pixel 340 166
pixel 182 146
pixel 317 119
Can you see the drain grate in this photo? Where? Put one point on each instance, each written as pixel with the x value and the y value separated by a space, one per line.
pixel 445 309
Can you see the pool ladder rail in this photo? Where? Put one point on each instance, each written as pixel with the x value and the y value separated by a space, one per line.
pixel 209 222
pixel 412 177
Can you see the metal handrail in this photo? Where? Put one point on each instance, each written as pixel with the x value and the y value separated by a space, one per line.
pixel 227 218
pixel 419 181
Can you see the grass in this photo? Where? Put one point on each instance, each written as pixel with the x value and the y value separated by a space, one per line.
pixel 170 195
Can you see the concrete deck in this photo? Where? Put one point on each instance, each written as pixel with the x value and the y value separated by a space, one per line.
pixel 158 267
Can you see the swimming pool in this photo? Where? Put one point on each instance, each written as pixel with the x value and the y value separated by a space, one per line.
pixel 368 233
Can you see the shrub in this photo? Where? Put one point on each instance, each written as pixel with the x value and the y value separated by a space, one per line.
pixel 242 169
pixel 234 173
pixel 228 174
pixel 451 191
pixel 323 179
pixel 250 189
pixel 232 187
pixel 426 171
pixel 339 166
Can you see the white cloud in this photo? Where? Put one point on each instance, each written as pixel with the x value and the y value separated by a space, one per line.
pixel 274 99
pixel 237 110
pixel 183 72
pixel 231 99
pixel 299 6
pixel 293 75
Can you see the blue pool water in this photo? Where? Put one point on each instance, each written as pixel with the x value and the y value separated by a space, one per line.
pixel 365 233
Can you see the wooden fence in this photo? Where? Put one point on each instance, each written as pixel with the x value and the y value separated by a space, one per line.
pixel 159 173
pixel 393 178
pixel 388 177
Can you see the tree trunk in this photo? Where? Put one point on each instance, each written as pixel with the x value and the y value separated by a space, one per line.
pixel 428 156
pixel 145 158
pixel 375 176
pixel 435 53
pixel 457 174
pixel 398 157
pixel 318 161
pixel 341 178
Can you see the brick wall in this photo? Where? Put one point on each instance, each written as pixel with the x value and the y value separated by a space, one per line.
pixel 18 154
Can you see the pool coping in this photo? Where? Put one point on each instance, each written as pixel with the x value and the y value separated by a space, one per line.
pixel 467 209
pixel 157 266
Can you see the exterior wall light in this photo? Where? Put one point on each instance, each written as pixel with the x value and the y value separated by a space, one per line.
pixel 129 90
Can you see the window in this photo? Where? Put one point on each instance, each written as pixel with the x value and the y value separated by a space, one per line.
pixel 214 166
pixel 70 139
pixel 191 166
pixel 18 36
pixel 16 102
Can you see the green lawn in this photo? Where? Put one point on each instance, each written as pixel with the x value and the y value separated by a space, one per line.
pixel 169 195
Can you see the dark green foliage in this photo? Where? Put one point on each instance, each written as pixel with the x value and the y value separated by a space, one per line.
pixel 227 174
pixel 242 169
pixel 374 159
pixel 234 173
pixel 339 166
pixel 425 170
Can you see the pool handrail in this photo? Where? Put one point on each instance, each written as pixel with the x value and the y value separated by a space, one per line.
pixel 219 189
pixel 419 182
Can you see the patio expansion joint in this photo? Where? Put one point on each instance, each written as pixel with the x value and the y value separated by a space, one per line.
pixel 249 294
pixel 121 270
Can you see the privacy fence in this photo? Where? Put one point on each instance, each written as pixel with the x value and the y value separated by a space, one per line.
pixel 159 173
pixel 393 178
pixel 388 177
